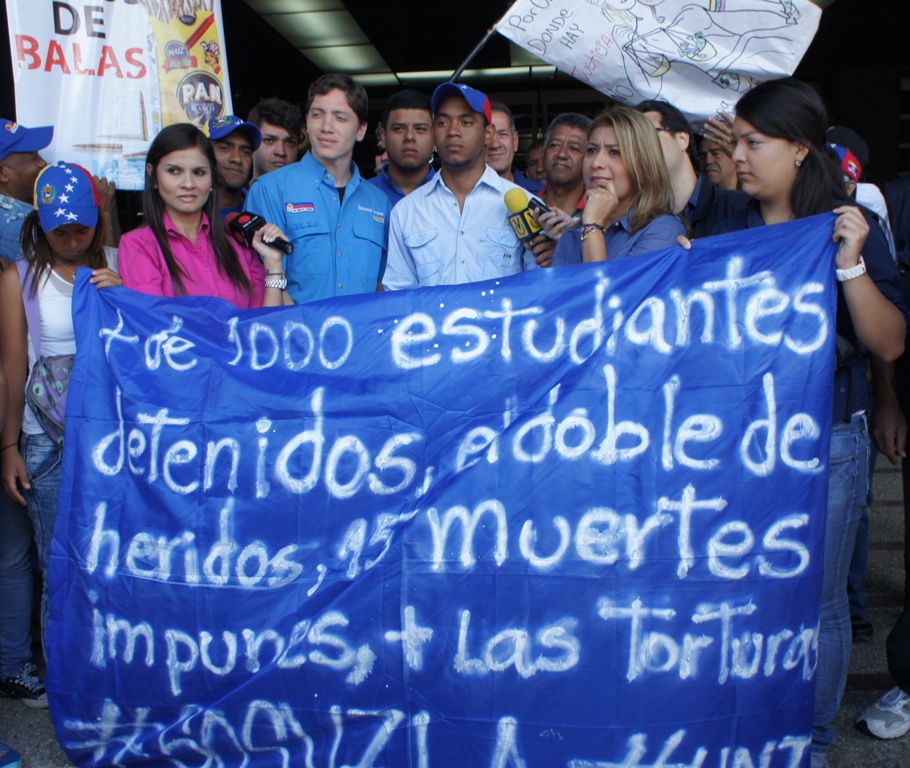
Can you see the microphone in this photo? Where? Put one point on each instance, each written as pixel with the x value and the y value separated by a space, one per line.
pixel 523 224
pixel 244 225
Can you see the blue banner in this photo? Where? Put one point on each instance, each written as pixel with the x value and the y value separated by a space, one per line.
pixel 570 518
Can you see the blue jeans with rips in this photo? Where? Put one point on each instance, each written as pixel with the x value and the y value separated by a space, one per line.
pixel 15 587
pixel 43 460
pixel 848 487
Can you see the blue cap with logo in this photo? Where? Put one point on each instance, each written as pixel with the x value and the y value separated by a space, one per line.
pixel 477 101
pixel 66 193
pixel 222 126
pixel 18 138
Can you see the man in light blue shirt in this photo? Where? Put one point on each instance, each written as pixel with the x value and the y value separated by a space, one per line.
pixel 336 221
pixel 454 229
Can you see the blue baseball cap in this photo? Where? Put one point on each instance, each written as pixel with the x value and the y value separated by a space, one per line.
pixel 222 126
pixel 18 138
pixel 66 193
pixel 477 101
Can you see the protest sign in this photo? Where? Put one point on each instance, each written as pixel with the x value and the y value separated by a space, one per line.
pixel 112 74
pixel 574 517
pixel 699 55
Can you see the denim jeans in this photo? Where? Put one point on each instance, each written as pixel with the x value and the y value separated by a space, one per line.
pixel 848 486
pixel 857 593
pixel 43 462
pixel 15 587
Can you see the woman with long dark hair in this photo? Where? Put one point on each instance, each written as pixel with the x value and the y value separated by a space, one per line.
pixel 63 233
pixel 183 250
pixel 628 198
pixel 783 163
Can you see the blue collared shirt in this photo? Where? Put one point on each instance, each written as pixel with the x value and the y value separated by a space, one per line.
pixel 659 234
pixel 339 245
pixel 534 187
pixel 12 214
pixel 433 242
pixel 709 205
pixel 385 183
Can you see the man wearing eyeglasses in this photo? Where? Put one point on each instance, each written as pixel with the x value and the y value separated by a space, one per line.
pixel 698 200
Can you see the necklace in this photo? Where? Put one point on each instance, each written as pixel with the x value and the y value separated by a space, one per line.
pixel 70 272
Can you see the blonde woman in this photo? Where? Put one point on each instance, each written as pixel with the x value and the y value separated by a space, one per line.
pixel 628 198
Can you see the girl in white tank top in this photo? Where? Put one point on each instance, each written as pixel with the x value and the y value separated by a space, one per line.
pixel 63 233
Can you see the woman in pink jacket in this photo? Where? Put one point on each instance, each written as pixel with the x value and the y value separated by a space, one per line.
pixel 183 249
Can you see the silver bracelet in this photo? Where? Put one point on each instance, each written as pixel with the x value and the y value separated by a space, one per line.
pixel 280 284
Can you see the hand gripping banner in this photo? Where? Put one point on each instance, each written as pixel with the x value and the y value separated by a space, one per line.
pixel 572 518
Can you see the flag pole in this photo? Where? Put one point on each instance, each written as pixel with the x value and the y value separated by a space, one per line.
pixel 477 49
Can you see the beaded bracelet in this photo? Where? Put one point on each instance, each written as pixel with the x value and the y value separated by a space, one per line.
pixel 587 229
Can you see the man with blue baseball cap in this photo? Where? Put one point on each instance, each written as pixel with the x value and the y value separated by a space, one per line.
pixel 234 142
pixel 20 165
pixel 455 229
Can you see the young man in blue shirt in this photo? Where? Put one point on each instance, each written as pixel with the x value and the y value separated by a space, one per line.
pixel 407 135
pixel 336 221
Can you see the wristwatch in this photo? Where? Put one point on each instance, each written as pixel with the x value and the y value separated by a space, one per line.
pixel 848 274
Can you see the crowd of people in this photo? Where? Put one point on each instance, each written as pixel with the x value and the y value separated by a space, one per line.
pixel 627 182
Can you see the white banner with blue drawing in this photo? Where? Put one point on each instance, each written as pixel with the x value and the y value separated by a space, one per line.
pixel 572 518
pixel 700 55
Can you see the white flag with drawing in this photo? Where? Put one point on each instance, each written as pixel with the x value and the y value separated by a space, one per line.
pixel 700 55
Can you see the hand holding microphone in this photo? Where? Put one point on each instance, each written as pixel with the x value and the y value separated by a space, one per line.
pixel 555 222
pixel 522 220
pixel 243 226
pixel 272 238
